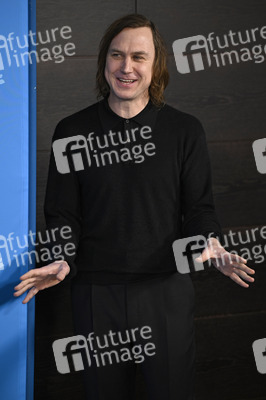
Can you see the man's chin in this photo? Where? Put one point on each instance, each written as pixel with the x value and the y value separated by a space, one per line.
pixel 124 96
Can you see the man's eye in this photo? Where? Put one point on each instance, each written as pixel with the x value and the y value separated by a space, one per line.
pixel 138 57
pixel 115 55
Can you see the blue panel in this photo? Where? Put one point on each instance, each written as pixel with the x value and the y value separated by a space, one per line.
pixel 17 152
pixel 32 198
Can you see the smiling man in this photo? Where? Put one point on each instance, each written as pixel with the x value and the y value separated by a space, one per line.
pixel 128 70
pixel 126 215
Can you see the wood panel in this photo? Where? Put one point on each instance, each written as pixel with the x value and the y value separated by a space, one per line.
pixel 229 101
pixel 181 19
pixel 62 90
pixel 88 19
pixel 225 363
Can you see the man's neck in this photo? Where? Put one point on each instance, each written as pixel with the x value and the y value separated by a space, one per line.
pixel 127 108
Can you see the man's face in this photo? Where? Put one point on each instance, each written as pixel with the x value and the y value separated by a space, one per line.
pixel 129 64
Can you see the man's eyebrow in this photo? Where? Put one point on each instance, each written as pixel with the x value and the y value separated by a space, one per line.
pixel 134 52
pixel 141 53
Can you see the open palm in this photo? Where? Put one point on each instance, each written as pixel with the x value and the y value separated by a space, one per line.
pixel 41 278
pixel 229 264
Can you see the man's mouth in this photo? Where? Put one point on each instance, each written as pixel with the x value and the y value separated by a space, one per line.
pixel 127 81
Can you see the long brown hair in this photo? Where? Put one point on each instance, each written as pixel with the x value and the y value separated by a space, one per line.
pixel 160 76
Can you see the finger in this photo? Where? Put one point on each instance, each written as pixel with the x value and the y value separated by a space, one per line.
pixel 22 284
pixel 236 258
pixel 31 274
pixel 43 271
pixel 244 268
pixel 225 258
pixel 30 295
pixel 244 275
pixel 23 290
pixel 238 280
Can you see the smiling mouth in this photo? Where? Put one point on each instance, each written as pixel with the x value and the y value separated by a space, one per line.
pixel 127 81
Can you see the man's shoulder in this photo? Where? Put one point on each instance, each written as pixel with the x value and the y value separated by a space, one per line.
pixel 85 117
pixel 176 116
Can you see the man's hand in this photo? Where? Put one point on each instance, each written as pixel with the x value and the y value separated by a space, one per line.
pixel 41 278
pixel 229 264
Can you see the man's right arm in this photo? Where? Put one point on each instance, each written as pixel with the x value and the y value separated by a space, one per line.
pixel 62 205
pixel 61 209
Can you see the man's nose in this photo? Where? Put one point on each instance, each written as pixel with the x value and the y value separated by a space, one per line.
pixel 126 66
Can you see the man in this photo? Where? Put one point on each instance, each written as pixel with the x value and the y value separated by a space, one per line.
pixel 144 182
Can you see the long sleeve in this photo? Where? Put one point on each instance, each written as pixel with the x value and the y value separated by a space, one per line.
pixel 199 216
pixel 126 204
pixel 62 207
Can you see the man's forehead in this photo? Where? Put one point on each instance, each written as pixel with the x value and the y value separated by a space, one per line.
pixel 138 39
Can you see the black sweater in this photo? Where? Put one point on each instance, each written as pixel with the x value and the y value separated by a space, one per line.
pixel 128 201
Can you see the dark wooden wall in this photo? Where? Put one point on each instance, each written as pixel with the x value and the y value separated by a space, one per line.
pixel 230 101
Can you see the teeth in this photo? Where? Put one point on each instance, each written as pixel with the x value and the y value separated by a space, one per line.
pixel 126 80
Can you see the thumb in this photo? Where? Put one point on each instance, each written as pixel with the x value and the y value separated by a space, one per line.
pixel 205 255
pixel 63 271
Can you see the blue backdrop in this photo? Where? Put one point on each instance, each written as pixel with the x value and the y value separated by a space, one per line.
pixel 17 202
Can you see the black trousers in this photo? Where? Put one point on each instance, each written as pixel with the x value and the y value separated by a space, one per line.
pixel 165 307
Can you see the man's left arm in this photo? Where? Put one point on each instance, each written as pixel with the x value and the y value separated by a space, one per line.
pixel 199 216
